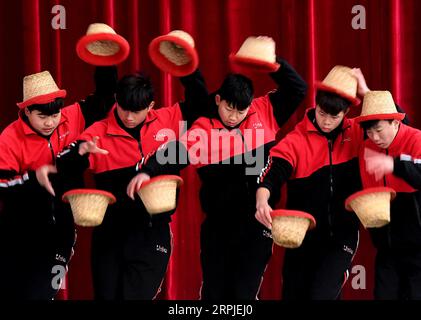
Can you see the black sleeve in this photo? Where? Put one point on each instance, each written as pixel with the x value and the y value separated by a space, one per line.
pixel 69 162
pixel 400 110
pixel 274 174
pixel 17 189
pixel 97 105
pixel 291 91
pixel 408 170
pixel 195 102
pixel 71 167
pixel 13 183
pixel 168 159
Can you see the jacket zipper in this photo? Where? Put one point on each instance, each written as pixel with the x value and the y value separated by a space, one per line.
pixel 329 213
pixel 50 146
pixel 244 155
pixel 139 144
pixel 389 228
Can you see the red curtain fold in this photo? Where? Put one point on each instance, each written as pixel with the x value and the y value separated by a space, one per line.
pixel 313 35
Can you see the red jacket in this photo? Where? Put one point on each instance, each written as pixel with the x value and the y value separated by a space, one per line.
pixel 320 170
pixel 127 151
pixel 229 160
pixel 159 127
pixel 23 150
pixel 404 229
pixel 23 201
pixel 407 144
pixel 221 144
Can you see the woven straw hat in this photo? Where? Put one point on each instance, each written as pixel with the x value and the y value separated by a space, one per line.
pixel 256 53
pixel 340 80
pixel 88 205
pixel 174 53
pixel 372 206
pixel 159 194
pixel 289 227
pixel 101 46
pixel 40 88
pixel 379 105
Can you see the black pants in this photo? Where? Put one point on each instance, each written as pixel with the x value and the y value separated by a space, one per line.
pixel 33 263
pixel 130 263
pixel 398 274
pixel 318 269
pixel 234 256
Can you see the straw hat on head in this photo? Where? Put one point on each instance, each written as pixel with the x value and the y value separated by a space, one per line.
pixel 159 194
pixel 289 227
pixel 379 105
pixel 372 206
pixel 256 53
pixel 341 81
pixel 39 88
pixel 88 205
pixel 101 46
pixel 174 53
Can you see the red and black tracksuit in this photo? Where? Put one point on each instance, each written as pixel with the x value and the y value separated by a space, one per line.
pixel 36 229
pixel 398 244
pixel 321 171
pixel 131 249
pixel 235 248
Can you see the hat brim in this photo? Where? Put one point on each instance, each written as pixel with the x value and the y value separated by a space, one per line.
pixel 164 177
pixel 43 98
pixel 166 65
pixel 109 195
pixel 368 191
pixel 380 116
pixel 253 64
pixel 98 60
pixel 294 213
pixel 354 100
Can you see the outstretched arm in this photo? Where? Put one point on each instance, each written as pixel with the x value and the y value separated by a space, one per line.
pixel 291 91
pixel 168 159
pixel 273 176
pixel 97 105
pixel 195 102
pixel 404 166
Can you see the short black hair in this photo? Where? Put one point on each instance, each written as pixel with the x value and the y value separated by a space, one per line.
pixel 237 90
pixel 134 92
pixel 372 123
pixel 331 103
pixel 48 109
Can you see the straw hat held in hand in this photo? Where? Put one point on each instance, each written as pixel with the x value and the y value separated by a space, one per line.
pixel 257 54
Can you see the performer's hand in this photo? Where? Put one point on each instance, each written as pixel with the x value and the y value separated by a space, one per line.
pixel 362 85
pixel 378 163
pixel 42 177
pixel 136 183
pixel 263 209
pixel 91 146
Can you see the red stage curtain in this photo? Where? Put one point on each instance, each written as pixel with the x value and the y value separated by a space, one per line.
pixel 314 35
